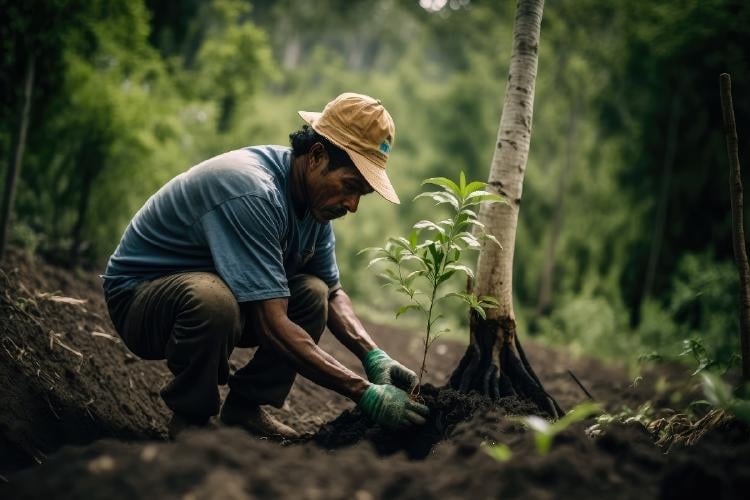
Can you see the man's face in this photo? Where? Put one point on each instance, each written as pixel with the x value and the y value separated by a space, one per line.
pixel 332 193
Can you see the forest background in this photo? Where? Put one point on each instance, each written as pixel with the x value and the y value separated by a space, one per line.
pixel 624 241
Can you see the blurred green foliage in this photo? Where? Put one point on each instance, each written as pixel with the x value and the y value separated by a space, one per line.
pixel 624 240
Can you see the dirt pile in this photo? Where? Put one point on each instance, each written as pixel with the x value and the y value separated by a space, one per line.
pixel 67 380
pixel 66 376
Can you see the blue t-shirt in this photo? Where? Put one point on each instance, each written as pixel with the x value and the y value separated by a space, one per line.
pixel 232 215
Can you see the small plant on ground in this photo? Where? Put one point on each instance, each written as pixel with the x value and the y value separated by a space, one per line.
pixel 695 349
pixel 500 452
pixel 643 415
pixel 431 255
pixel 545 431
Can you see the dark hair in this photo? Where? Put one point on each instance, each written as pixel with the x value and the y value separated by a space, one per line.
pixel 303 139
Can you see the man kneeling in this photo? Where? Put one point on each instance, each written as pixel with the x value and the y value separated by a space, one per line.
pixel 238 251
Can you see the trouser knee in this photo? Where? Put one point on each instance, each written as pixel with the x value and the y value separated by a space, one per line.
pixel 210 313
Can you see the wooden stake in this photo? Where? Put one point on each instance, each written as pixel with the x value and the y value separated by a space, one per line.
pixel 738 231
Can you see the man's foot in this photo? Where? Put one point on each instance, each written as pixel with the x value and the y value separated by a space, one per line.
pixel 256 421
pixel 180 423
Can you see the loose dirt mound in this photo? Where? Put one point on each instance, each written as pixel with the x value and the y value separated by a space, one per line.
pixel 65 384
pixel 66 376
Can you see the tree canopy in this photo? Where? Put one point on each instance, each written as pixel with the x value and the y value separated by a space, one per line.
pixel 624 242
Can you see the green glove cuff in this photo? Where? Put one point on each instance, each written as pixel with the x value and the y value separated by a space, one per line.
pixel 375 363
pixel 370 400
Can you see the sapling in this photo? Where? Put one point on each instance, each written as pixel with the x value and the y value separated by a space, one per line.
pixel 545 431
pixel 431 255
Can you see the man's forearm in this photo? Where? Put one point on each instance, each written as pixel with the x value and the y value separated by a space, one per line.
pixel 346 327
pixel 293 342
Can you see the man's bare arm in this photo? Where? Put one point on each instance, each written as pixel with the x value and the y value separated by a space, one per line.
pixel 346 326
pixel 280 333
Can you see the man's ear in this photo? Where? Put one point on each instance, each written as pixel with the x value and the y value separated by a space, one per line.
pixel 318 155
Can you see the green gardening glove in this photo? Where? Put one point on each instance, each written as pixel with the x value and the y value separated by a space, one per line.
pixel 391 407
pixel 381 369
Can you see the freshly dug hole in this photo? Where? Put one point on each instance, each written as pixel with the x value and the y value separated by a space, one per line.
pixel 448 408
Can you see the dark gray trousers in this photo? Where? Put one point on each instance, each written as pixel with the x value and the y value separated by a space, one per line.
pixel 194 322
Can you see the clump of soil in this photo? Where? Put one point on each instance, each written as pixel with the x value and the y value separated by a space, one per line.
pixel 448 408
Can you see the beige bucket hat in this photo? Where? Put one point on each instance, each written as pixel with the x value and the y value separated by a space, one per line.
pixel 362 127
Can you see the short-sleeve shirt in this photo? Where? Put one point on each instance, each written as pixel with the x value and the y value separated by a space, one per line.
pixel 232 215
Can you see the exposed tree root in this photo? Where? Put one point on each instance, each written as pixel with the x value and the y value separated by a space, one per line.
pixel 495 365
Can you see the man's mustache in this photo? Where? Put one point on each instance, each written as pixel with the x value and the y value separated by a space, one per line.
pixel 334 212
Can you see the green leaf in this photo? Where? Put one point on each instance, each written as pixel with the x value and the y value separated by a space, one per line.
pixel 483 196
pixel 543 443
pixel 716 390
pixel 371 249
pixel 403 309
pixel 469 212
pixel 500 452
pixel 445 183
pixel 466 297
pixel 429 225
pixel 470 240
pixel 474 186
pixel 445 276
pixel 480 311
pixel 489 300
pixel 387 277
pixel 576 414
pixel 413 240
pixel 376 260
pixel 441 197
pixel 437 254
pixel 485 236
pixel 401 242
pixel 462 268
pixel 413 275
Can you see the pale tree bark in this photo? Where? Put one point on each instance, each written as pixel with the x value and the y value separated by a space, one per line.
pixel 16 160
pixel 738 231
pixel 494 363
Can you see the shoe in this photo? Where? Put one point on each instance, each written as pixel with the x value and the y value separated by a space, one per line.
pixel 256 421
pixel 180 423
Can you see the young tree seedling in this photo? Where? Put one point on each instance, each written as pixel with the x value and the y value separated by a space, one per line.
pixel 432 254
pixel 545 431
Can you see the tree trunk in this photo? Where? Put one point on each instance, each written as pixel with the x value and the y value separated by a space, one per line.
pixel 14 165
pixel 738 231
pixel 494 363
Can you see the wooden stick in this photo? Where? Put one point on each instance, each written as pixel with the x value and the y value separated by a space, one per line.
pixel 581 385
pixel 738 231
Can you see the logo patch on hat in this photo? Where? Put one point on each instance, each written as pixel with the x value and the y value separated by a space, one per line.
pixel 385 146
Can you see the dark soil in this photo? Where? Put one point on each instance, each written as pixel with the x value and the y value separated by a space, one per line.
pixel 81 418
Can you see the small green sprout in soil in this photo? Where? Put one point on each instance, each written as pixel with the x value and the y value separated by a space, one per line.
pixel 545 431
pixel 432 254
pixel 500 452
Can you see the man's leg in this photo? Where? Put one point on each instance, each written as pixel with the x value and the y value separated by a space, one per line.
pixel 268 378
pixel 192 320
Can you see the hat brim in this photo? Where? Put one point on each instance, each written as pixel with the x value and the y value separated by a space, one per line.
pixel 373 174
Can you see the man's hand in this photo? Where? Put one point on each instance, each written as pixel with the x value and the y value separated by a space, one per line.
pixel 391 407
pixel 381 369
